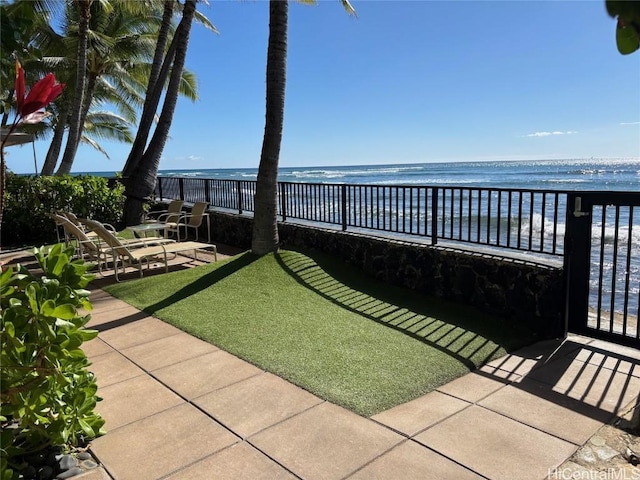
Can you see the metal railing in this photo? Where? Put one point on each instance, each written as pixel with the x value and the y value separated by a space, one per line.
pixel 518 219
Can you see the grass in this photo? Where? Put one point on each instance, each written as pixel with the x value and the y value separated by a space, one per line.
pixel 325 327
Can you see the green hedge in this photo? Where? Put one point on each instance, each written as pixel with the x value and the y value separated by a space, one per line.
pixel 29 199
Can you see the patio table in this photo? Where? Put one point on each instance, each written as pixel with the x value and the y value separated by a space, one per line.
pixel 144 228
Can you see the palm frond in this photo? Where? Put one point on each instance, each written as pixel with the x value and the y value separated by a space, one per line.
pixel 92 143
pixel 205 22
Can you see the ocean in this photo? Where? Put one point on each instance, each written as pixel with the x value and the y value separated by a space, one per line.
pixel 545 175
pixel 591 174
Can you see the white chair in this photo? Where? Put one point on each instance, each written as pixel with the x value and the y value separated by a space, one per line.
pixel 192 220
pixel 171 214
pixel 135 254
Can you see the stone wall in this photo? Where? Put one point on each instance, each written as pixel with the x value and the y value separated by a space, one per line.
pixel 526 292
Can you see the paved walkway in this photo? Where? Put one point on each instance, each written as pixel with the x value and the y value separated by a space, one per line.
pixel 179 408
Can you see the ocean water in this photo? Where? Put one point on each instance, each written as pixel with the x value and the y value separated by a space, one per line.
pixel 615 251
pixel 591 174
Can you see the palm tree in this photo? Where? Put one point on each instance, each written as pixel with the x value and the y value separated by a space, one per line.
pixel 84 10
pixel 157 79
pixel 265 221
pixel 265 225
pixel 142 180
pixel 119 40
pixel 151 100
pixel 121 44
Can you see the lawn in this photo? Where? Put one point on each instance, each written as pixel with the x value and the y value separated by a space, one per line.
pixel 325 326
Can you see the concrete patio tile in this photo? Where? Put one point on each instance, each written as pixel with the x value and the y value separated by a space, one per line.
pixel 161 444
pixel 145 329
pixel 112 368
pixel 472 387
pixel 416 415
pixel 238 462
pixel 547 411
pixel 325 442
pixel 613 348
pixel 412 461
pixel 167 351
pixel 94 474
pixel 524 360
pixel 133 400
pixel 256 403
pixel 95 348
pixel 107 303
pixel 593 385
pixel 612 361
pixel 206 373
pixel 99 296
pixel 496 446
pixel 112 317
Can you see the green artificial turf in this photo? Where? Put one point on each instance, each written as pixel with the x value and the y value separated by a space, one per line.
pixel 325 326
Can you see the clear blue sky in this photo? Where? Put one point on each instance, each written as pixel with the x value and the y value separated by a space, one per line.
pixel 404 82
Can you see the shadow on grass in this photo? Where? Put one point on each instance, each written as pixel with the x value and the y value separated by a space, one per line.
pixel 470 337
pixel 205 281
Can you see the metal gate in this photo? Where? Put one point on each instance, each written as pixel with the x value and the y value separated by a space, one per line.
pixel 602 265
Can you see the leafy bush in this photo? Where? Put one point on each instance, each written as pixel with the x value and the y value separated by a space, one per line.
pixel 47 394
pixel 29 199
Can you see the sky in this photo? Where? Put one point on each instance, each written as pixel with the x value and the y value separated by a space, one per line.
pixel 403 82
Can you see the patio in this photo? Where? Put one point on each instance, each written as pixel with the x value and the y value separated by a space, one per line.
pixel 179 408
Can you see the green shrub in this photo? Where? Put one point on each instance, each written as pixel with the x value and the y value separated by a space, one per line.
pixel 29 199
pixel 47 393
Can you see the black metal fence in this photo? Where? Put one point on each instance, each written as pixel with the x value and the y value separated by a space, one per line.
pixel 518 219
pixel 597 233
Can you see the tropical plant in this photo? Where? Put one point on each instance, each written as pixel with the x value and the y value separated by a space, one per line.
pixel 29 109
pixel 43 48
pixel 140 177
pixel 120 42
pixel 122 36
pixel 48 395
pixel 628 27
pixel 75 114
pixel 152 98
pixel 265 223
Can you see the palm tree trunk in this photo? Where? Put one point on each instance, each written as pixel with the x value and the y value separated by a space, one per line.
pixel 157 77
pixel 74 123
pixel 86 104
pixel 265 222
pixel 143 179
pixel 51 160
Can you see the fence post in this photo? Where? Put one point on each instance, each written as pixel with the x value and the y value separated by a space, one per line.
pixel 577 250
pixel 239 192
pixel 160 187
pixel 434 215
pixel 181 187
pixel 344 207
pixel 283 200
pixel 207 190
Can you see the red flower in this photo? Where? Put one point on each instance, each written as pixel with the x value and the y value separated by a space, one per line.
pixel 45 91
pixel 19 86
